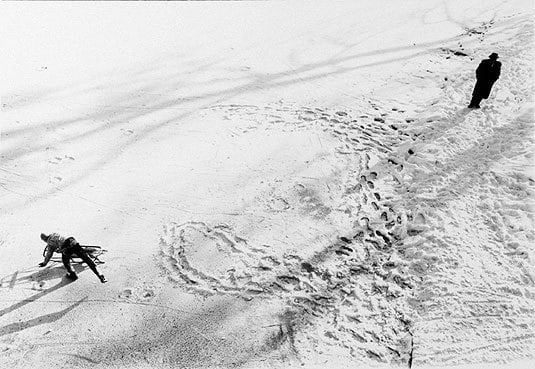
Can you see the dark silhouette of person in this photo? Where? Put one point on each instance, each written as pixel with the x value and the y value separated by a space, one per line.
pixel 68 247
pixel 487 73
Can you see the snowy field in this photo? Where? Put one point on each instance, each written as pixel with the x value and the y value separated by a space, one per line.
pixel 277 184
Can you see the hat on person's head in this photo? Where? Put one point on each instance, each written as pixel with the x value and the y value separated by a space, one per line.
pixel 44 237
pixel 493 56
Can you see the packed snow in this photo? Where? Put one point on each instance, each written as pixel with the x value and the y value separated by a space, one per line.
pixel 276 184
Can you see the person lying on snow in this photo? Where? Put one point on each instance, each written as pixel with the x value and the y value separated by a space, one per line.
pixel 68 247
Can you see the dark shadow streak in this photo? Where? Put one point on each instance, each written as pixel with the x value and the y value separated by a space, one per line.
pixel 42 274
pixel 48 318
pixel 256 84
pixel 271 80
pixel 263 81
pixel 517 131
pixel 82 358
pixel 24 302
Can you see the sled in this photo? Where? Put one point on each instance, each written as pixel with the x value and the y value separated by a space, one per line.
pixel 92 250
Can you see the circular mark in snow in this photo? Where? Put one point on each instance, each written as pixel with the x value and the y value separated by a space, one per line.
pixel 207 258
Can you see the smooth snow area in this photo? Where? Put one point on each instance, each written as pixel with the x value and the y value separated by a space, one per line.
pixel 277 184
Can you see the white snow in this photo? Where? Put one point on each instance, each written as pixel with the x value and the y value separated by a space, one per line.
pixel 277 184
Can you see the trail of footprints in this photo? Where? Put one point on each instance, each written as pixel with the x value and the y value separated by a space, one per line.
pixel 359 286
pixel 356 283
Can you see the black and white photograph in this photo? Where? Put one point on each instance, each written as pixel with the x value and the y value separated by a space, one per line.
pixel 267 184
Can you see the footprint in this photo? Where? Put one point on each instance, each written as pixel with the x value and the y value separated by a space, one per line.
pixel 39 285
pixel 271 260
pixel 278 204
pixel 126 293
pixel 289 280
pixel 359 235
pixel 136 294
pixel 344 250
pixel 263 267
pixel 147 294
pixel 363 222
pixel 307 267
pixel 355 188
pixel 413 232
pixel 384 237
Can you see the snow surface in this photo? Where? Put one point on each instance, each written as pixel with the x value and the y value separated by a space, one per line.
pixel 277 184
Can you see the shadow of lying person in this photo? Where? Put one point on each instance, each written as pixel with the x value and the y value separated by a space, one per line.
pixel 35 274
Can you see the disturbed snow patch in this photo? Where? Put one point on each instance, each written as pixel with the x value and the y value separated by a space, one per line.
pixel 426 259
pixel 326 243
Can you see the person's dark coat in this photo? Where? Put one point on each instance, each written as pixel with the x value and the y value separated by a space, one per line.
pixel 487 73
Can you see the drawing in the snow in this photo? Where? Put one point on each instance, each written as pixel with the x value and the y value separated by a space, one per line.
pixel 301 184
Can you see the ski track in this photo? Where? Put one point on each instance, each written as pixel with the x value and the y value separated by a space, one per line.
pixel 418 281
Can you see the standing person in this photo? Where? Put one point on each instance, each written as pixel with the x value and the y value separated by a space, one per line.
pixel 68 247
pixel 487 73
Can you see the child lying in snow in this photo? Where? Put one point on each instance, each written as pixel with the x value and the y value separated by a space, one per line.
pixel 68 247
